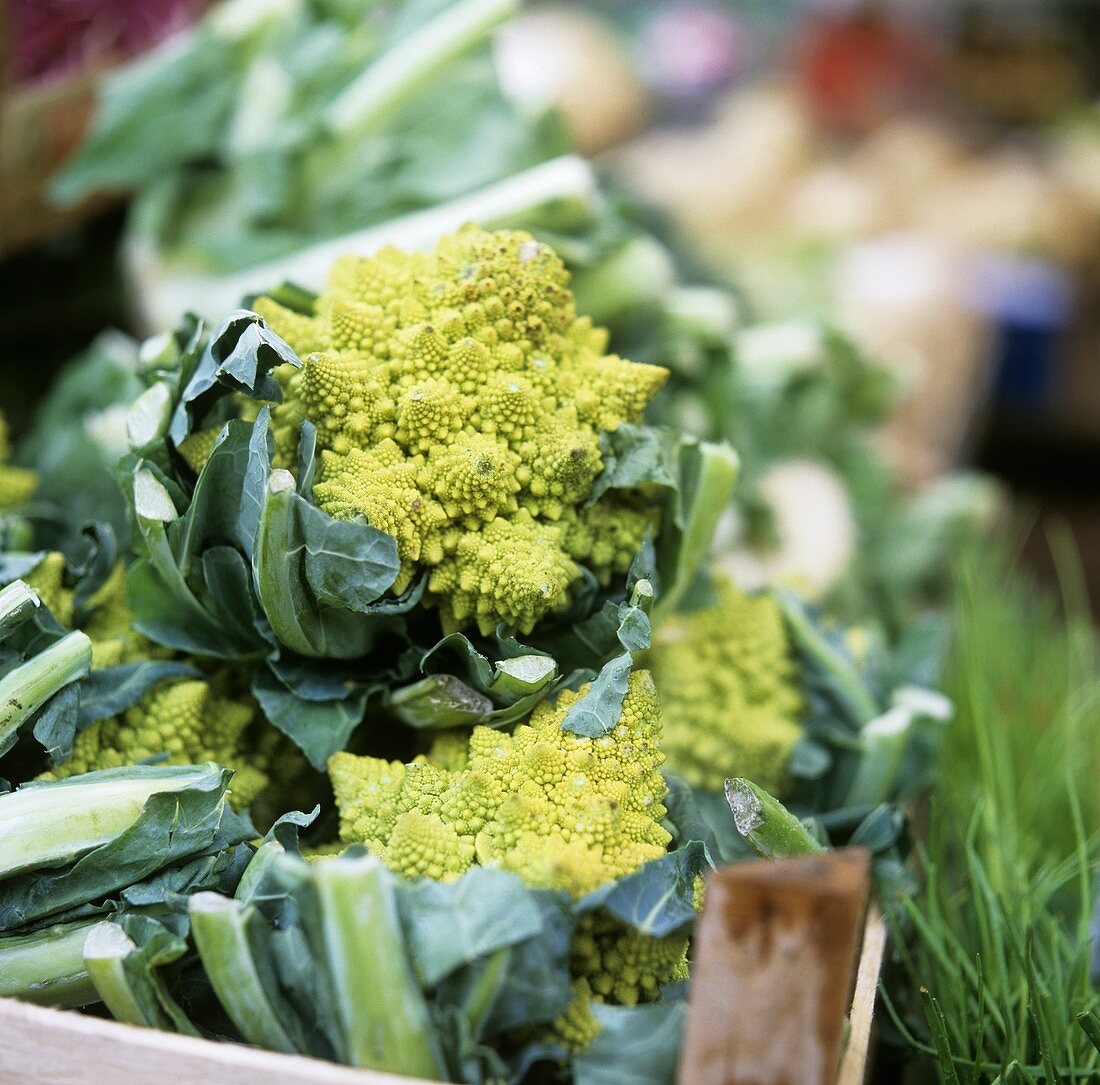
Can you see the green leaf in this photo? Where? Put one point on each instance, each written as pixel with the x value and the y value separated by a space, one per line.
pixel 453 924
pixel 172 825
pixel 634 456
pixel 321 580
pixel 107 692
pixel 657 899
pixel 439 701
pixel 636 1045
pixel 598 711
pixel 537 984
pixel 127 146
pixel 318 728
pixel 238 358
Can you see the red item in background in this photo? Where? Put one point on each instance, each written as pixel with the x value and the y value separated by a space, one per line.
pixel 858 70
pixel 56 37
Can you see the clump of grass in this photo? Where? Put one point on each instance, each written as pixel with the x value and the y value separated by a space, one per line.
pixel 997 943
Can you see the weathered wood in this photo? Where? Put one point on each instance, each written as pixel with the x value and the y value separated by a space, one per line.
pixel 772 971
pixel 853 1064
pixel 55 1047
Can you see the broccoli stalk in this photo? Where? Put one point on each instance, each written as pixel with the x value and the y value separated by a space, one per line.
pixel 47 966
pixel 29 685
pixel 48 824
pixel 769 827
pixel 837 672
pixel 277 585
pixel 24 690
pixel 884 741
pixel 125 974
pixel 17 601
pixel 104 953
pixel 384 1017
pixel 364 107
pixel 224 931
pixel 710 477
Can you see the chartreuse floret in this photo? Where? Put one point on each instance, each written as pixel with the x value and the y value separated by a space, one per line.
pixel 560 810
pixel 185 721
pixel 181 721
pixel 17 484
pixel 729 691
pixel 459 403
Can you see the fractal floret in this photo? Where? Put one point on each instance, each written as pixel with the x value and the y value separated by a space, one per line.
pixel 17 484
pixel 729 691
pixel 179 721
pixel 560 810
pixel 184 722
pixel 459 403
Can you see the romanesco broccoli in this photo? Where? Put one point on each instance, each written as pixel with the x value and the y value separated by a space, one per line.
pixel 17 484
pixel 459 403
pixel 47 578
pixel 185 719
pixel 729 691
pixel 560 810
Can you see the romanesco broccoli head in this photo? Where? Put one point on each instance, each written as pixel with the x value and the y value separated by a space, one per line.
pixel 186 721
pixel 459 403
pixel 17 484
pixel 624 966
pixel 106 616
pixel 47 578
pixel 730 691
pixel 561 810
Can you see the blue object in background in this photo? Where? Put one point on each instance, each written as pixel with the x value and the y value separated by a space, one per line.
pixel 1030 303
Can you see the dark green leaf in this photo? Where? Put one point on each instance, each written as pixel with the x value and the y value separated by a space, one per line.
pixel 658 899
pixel 108 692
pixel 318 728
pixel 453 924
pixel 636 1045
pixel 598 711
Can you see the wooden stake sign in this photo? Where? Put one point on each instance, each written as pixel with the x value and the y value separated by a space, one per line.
pixel 772 971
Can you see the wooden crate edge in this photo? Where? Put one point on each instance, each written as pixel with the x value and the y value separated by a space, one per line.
pixel 857 1051
pixel 40 1046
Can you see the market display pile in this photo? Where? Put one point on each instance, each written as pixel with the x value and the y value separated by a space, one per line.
pixel 404 727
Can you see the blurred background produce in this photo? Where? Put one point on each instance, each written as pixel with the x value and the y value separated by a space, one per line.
pixel 919 179
pixel 864 236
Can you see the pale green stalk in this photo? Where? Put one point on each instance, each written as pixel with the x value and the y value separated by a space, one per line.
pixel 24 690
pixel 105 953
pixel 47 966
pixel 220 927
pixel 384 1016
pixel 46 824
pixel 365 106
pixel 770 828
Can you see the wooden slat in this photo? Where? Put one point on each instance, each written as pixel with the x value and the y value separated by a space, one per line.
pixel 772 976
pixel 53 1047
pixel 853 1065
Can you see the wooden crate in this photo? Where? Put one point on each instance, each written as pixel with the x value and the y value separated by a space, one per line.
pixel 784 999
